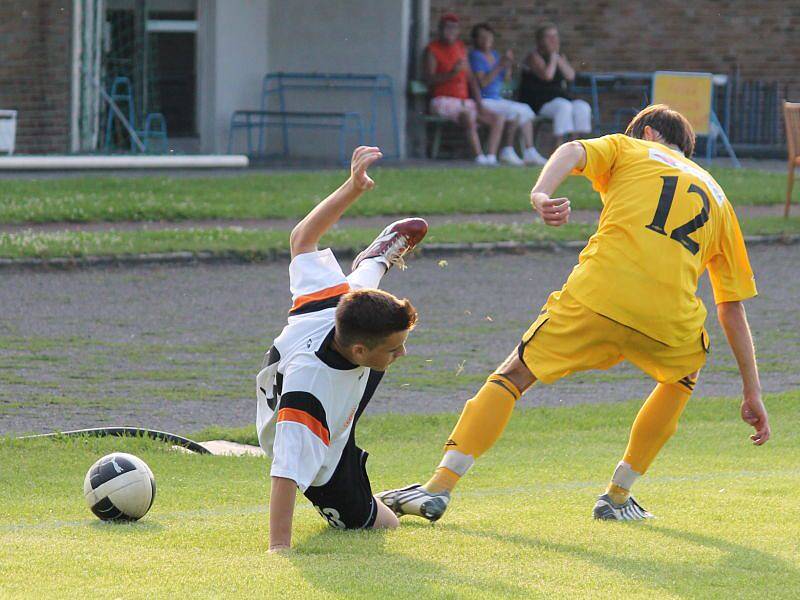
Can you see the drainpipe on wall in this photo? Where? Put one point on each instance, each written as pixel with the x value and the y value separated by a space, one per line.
pixel 75 79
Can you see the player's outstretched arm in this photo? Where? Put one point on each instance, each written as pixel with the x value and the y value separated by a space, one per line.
pixel 281 513
pixel 733 319
pixel 307 233
pixel 555 211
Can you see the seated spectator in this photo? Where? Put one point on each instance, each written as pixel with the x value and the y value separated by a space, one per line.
pixel 451 81
pixel 491 71
pixel 544 86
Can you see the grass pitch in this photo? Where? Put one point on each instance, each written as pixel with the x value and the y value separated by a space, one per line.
pixel 519 525
pixel 292 195
pixel 259 243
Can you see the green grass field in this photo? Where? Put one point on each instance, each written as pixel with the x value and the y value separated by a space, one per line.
pixel 519 525
pixel 292 195
pixel 255 243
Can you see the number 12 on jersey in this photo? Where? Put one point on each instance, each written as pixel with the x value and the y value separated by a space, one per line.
pixel 679 234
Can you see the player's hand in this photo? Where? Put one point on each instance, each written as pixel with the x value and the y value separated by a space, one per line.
pixel 508 59
pixel 460 65
pixel 554 211
pixel 363 157
pixel 755 415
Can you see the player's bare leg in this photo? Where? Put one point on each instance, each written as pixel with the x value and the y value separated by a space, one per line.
pixel 385 519
pixel 656 422
pixel 481 424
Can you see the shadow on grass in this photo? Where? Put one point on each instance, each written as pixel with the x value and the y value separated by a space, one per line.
pixel 361 565
pixel 737 562
pixel 129 528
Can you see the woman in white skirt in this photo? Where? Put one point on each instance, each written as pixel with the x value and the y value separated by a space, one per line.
pixel 543 87
pixel 490 70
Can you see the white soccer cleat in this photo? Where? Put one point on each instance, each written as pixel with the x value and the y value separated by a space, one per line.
pixel 394 242
pixel 605 509
pixel 415 500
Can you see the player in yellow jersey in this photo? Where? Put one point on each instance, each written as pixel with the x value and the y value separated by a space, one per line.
pixel 631 296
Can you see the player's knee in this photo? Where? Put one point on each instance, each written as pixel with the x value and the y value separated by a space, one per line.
pixel 385 518
pixel 518 373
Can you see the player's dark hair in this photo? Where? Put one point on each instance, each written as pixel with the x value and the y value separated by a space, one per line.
pixel 369 316
pixel 672 125
pixel 476 30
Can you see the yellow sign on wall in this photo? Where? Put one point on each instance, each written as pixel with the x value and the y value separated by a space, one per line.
pixel 690 94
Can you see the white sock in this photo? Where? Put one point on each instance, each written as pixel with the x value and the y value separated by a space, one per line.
pixel 624 476
pixel 368 274
pixel 458 462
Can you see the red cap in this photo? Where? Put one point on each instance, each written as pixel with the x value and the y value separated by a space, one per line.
pixel 448 18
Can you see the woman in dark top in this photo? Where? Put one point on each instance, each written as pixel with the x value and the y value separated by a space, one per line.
pixel 544 85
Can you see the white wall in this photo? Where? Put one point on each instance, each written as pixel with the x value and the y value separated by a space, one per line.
pixel 232 57
pixel 239 41
pixel 347 36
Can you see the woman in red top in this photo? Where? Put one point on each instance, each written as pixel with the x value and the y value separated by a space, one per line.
pixel 452 83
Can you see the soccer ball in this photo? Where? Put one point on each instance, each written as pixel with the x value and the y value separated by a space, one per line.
pixel 119 487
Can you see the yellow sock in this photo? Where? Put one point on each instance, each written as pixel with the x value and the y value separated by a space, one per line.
pixel 443 480
pixel 619 495
pixel 654 425
pixel 656 422
pixel 481 424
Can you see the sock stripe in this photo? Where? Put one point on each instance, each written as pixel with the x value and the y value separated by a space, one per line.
pixel 502 385
pixel 687 383
pixel 506 384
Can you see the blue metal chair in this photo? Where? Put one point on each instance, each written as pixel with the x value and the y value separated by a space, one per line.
pixel 155 124
pixel 121 92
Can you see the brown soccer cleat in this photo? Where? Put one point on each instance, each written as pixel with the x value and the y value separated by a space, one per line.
pixel 394 242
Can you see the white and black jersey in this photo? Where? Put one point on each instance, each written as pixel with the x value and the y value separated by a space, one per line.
pixel 309 397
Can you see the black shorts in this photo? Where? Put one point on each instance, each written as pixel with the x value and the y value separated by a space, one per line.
pixel 346 501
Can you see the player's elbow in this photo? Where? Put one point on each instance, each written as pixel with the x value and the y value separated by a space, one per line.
pixel 574 153
pixel 295 235
pixel 731 313
pixel 298 239
pixel 734 307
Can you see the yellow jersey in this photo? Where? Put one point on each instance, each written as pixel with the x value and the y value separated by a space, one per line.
pixel 664 221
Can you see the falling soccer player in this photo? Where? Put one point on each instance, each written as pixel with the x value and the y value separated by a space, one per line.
pixel 322 370
pixel 631 296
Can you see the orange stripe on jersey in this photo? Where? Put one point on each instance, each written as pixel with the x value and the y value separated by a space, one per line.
pixel 302 417
pixel 336 290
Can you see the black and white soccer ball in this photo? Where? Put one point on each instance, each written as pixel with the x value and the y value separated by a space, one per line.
pixel 119 487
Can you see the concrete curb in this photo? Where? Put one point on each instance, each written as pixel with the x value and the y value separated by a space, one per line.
pixel 245 257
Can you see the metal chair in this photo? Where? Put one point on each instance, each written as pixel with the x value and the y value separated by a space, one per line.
pixel 791 114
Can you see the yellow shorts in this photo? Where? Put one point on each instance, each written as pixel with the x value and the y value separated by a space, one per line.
pixel 569 337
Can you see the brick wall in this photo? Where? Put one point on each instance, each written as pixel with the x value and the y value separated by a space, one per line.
pixel 756 40
pixel 35 62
